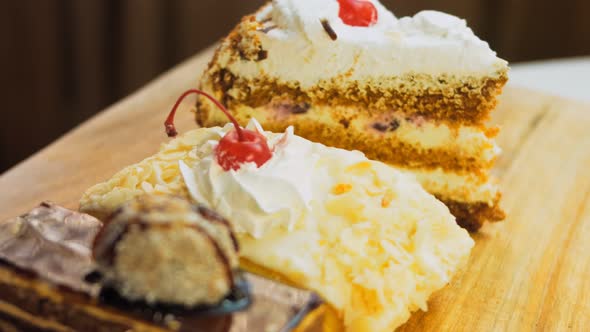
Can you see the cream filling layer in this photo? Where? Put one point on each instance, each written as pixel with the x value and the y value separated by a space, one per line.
pixel 466 141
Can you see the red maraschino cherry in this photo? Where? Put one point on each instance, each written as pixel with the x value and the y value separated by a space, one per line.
pixel 358 13
pixel 238 146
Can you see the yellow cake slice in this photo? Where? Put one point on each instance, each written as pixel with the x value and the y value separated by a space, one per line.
pixel 363 235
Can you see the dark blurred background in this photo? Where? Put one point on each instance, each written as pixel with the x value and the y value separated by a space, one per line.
pixel 65 60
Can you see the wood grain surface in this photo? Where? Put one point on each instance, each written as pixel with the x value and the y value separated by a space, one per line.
pixel 530 273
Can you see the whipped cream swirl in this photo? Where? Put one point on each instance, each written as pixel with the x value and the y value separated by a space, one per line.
pixel 257 199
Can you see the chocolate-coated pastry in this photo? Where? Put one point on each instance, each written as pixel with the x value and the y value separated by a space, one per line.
pixel 165 250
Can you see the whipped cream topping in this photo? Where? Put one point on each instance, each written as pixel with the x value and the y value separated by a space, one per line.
pixel 299 49
pixel 301 17
pixel 257 199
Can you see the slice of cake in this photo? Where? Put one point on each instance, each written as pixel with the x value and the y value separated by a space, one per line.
pixel 363 235
pixel 414 92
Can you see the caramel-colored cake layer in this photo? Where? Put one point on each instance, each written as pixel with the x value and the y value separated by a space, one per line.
pixel 446 99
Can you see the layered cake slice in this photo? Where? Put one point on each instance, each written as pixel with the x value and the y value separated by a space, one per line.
pixel 363 235
pixel 414 92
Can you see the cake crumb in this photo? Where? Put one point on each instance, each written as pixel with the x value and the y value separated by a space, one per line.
pixel 387 199
pixel 341 188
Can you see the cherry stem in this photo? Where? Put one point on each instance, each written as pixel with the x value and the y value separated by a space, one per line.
pixel 169 124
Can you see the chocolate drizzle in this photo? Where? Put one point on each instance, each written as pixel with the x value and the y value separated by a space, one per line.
pixel 106 243
pixel 328 28
pixel 229 272
pixel 212 216
pixel 164 213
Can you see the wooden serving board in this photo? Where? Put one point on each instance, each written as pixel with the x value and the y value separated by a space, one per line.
pixel 530 273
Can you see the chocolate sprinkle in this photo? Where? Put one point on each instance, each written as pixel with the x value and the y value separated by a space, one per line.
pixel 267 29
pixel 329 29
pixel 262 54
